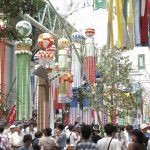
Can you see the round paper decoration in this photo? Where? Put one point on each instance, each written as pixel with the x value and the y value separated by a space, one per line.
pixel 89 32
pixel 24 28
pixel 63 42
pixel 77 37
pixel 45 40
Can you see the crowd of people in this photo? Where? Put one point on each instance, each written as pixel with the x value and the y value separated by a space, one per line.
pixel 74 137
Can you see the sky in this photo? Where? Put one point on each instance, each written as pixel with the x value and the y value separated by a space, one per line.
pixel 84 17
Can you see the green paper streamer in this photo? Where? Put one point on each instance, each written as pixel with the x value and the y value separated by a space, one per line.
pixel 23 86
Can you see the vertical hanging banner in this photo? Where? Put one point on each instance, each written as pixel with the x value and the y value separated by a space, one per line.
pixel 12 115
pixel 130 23
pixel 23 56
pixel 2 76
pixel 148 11
pixel 120 23
pixel 2 60
pixel 144 23
pixel 137 25
pixel 100 4
pixel 110 40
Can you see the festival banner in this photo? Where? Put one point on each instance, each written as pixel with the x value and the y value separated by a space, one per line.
pixel 2 69
pixel 12 115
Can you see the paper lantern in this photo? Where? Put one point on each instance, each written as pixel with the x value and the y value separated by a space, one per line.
pixel 89 32
pixel 77 37
pixel 63 42
pixel 24 28
pixel 45 40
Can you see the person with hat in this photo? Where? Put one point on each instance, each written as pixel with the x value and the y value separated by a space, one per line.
pixel 144 128
pixel 95 134
pixel 11 130
pixel 16 140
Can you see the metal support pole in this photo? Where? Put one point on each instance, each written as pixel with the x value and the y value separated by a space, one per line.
pixel 37 24
pixel 62 24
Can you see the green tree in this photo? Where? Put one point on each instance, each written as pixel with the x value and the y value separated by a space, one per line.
pixel 12 9
pixel 114 81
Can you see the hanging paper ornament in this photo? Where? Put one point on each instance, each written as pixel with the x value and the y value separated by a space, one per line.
pixel 24 45
pixel 2 26
pixel 52 48
pixel 63 42
pixel 89 32
pixel 77 37
pixel 89 59
pixel 23 57
pixel 45 40
pixel 24 28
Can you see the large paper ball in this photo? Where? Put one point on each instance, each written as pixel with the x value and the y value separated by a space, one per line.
pixel 77 37
pixel 24 28
pixel 45 40
pixel 89 32
pixel 63 42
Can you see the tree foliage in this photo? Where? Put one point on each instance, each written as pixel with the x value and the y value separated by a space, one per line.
pixel 12 9
pixel 113 88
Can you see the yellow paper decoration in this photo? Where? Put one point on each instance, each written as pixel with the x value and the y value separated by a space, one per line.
pixel 120 23
pixel 110 40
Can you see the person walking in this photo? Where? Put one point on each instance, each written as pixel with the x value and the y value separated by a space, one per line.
pixel 109 142
pixel 86 143
pixel 36 140
pixel 95 134
pixel 27 140
pixel 127 134
pixel 4 144
pixel 144 128
pixel 137 141
pixel 47 142
pixel 60 137
pixel 16 139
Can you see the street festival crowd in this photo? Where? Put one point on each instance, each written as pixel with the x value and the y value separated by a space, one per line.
pixel 24 136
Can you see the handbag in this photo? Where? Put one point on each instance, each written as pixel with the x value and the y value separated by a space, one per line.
pixel 109 143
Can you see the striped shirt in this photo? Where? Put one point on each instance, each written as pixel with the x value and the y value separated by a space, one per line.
pixel 4 144
pixel 86 145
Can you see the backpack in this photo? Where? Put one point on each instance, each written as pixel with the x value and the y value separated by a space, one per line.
pixel 35 143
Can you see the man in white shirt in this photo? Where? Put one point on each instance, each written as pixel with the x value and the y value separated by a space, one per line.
pixel 31 130
pixel 11 130
pixel 16 139
pixel 109 140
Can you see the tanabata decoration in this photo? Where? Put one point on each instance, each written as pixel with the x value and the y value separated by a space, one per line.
pixel 45 40
pixel 23 55
pixel 90 61
pixel 78 39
